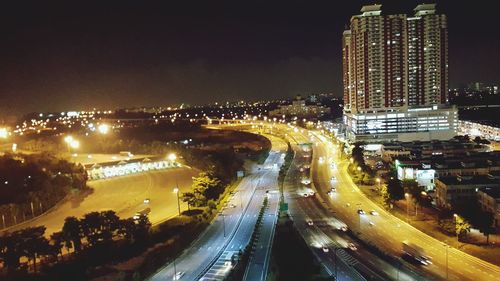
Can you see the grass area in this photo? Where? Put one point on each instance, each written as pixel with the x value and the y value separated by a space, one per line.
pixel 291 258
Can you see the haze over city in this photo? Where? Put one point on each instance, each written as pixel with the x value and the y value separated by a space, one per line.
pixel 123 53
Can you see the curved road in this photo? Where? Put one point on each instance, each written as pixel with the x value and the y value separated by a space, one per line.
pixel 125 195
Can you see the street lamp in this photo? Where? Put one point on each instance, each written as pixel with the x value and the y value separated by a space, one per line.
pixel 407 196
pixel 172 157
pixel 176 191
pixel 446 246
pixel 455 220
pixel 4 133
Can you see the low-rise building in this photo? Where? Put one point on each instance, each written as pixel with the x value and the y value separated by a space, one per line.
pixel 476 129
pixel 298 108
pixel 489 200
pixel 455 190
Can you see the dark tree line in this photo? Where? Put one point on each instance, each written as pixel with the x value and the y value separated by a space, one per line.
pixel 95 229
pixel 30 184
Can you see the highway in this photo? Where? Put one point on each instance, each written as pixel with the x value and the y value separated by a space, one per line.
pixel 125 195
pixel 386 231
pixel 230 231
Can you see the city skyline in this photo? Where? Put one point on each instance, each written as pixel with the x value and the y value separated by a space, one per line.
pixel 114 56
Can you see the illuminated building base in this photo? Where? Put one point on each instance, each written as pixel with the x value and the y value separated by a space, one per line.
pixel 416 123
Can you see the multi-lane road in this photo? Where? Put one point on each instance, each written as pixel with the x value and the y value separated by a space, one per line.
pixel 385 230
pixel 232 229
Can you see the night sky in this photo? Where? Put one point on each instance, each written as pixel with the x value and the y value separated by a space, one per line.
pixel 58 56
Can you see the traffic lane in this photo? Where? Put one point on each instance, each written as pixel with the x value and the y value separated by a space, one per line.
pixel 212 241
pixel 396 247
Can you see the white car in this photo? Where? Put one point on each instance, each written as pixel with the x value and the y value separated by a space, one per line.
pixel 178 275
pixel 343 228
pixel 310 222
pixel 333 178
pixel 374 213
pixel 146 201
pixel 325 249
pixel 352 246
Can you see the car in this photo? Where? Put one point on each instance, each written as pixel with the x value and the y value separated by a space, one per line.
pixel 352 246
pixel 178 275
pixel 374 213
pixel 146 201
pixel 325 249
pixel 232 205
pixel 347 204
pixel 343 228
pixel 310 222
pixel 371 223
pixel 333 178
pixel 305 194
pixel 361 212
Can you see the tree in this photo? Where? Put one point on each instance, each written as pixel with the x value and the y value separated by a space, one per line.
pixel 189 198
pixel 10 252
pixel 33 243
pixel 484 223
pixel 57 242
pixel 72 233
pixel 462 226
pixel 208 185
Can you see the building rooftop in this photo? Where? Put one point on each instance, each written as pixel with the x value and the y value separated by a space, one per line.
pixel 492 191
pixel 471 180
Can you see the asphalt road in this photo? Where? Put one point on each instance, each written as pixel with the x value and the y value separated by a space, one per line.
pixel 230 231
pixel 125 195
pixel 387 231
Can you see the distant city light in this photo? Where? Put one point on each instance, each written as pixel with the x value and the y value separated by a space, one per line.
pixel 103 128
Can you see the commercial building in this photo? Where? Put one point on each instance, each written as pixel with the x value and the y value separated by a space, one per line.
pixel 475 129
pixel 395 74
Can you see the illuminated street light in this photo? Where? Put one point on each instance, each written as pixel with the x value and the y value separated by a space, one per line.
pixel 4 133
pixel 176 191
pixel 68 139
pixel 172 157
pixel 74 144
pixel 407 196
pixel 103 128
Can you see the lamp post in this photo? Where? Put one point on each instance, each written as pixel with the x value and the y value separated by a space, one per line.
pixel 455 217
pixel 224 224
pixel 407 196
pixel 446 246
pixel 176 191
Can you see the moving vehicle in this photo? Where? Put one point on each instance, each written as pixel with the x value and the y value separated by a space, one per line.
pixel 352 246
pixel 416 252
pixel 374 213
pixel 325 249
pixel 310 222
pixel 361 212
pixel 143 212
pixel 178 275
